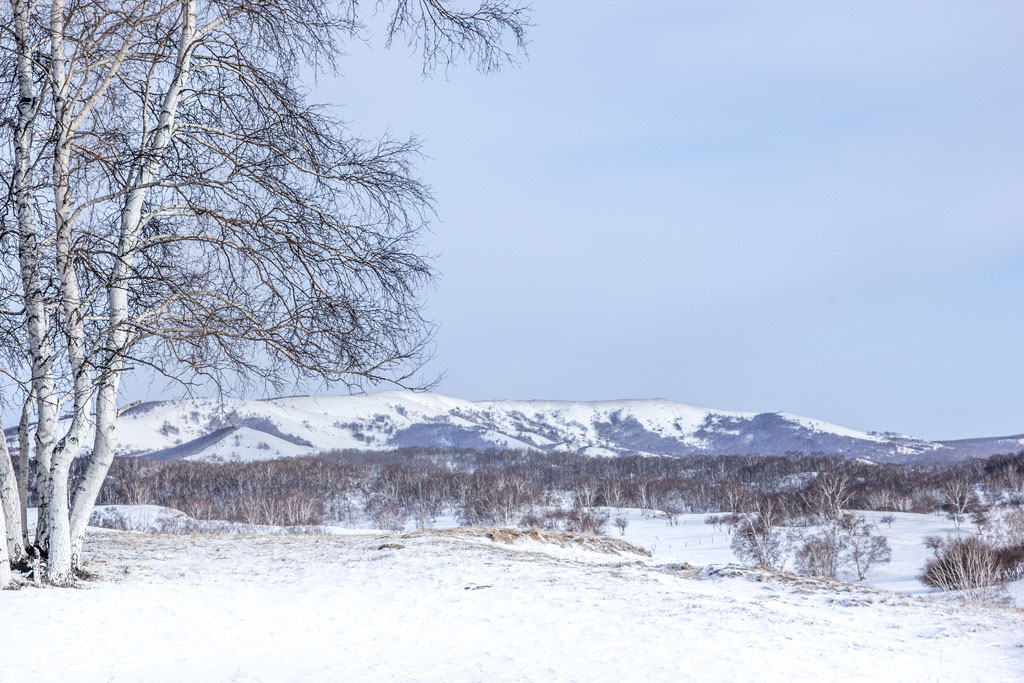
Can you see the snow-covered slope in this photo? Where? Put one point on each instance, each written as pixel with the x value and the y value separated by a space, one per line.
pixel 232 429
pixel 452 607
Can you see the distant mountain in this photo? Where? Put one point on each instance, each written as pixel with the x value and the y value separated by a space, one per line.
pixel 235 430
pixel 985 446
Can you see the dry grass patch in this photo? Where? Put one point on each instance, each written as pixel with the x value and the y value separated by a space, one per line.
pixel 563 539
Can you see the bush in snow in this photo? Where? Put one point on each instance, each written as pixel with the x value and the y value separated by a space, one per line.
pixel 386 514
pixel 820 554
pixel 671 513
pixel 109 518
pixel 1003 526
pixel 966 564
pixel 583 521
pixel 759 544
pixel 975 563
pixel 716 521
pixel 864 548
pixel 621 523
pixel 847 542
pixel 759 540
pixel 549 520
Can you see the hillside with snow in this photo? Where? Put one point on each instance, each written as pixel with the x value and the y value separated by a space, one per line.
pixel 245 430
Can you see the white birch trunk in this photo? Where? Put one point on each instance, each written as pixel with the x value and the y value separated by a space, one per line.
pixel 8 521
pixel 30 257
pixel 12 550
pixel 24 445
pixel 59 566
pixel 5 563
pixel 118 334
pixel 14 538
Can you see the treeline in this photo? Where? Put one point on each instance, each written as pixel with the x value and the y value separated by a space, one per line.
pixel 777 509
pixel 509 488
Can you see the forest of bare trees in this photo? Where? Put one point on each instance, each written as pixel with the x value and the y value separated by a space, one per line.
pixel 777 509
pixel 502 487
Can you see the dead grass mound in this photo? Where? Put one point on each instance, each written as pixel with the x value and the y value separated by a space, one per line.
pixel 563 539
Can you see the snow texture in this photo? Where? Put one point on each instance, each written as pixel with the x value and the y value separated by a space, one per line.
pixel 458 606
pixel 245 430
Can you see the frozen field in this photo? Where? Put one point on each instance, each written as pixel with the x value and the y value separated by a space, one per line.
pixel 457 606
pixel 691 540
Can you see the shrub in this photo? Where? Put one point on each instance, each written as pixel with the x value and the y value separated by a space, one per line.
pixel 863 548
pixel 716 521
pixel 847 542
pixel 386 514
pixel 759 543
pixel 963 564
pixel 1010 560
pixel 549 520
pixel 583 521
pixel 819 555
pixel 671 513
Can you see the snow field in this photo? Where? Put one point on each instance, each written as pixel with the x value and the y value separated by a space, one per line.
pixel 693 541
pixel 447 606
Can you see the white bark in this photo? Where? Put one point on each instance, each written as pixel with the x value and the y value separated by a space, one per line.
pixel 5 563
pixel 30 257
pixel 12 533
pixel 14 537
pixel 24 445
pixel 71 106
pixel 58 568
pixel 118 334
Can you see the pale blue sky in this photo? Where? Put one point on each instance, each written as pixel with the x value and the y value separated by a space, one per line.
pixel 806 207
pixel 810 207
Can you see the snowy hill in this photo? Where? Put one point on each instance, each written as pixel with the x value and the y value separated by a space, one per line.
pixel 232 429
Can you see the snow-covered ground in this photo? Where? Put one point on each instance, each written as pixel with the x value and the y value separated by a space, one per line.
pixel 688 540
pixel 458 606
pixel 691 540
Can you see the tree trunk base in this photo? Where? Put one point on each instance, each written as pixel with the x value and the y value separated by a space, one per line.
pixel 83 574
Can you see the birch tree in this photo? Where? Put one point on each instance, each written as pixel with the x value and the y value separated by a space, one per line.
pixel 5 559
pixel 61 81
pixel 828 493
pixel 206 221
pixel 22 235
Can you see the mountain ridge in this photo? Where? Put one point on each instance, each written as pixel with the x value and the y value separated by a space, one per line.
pixel 253 429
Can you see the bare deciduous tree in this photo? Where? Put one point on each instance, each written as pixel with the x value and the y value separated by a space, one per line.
pixel 621 523
pixel 203 219
pixel 821 554
pixel 967 564
pixel 959 499
pixel 863 548
pixel 828 494
pixel 759 539
pixel 613 492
